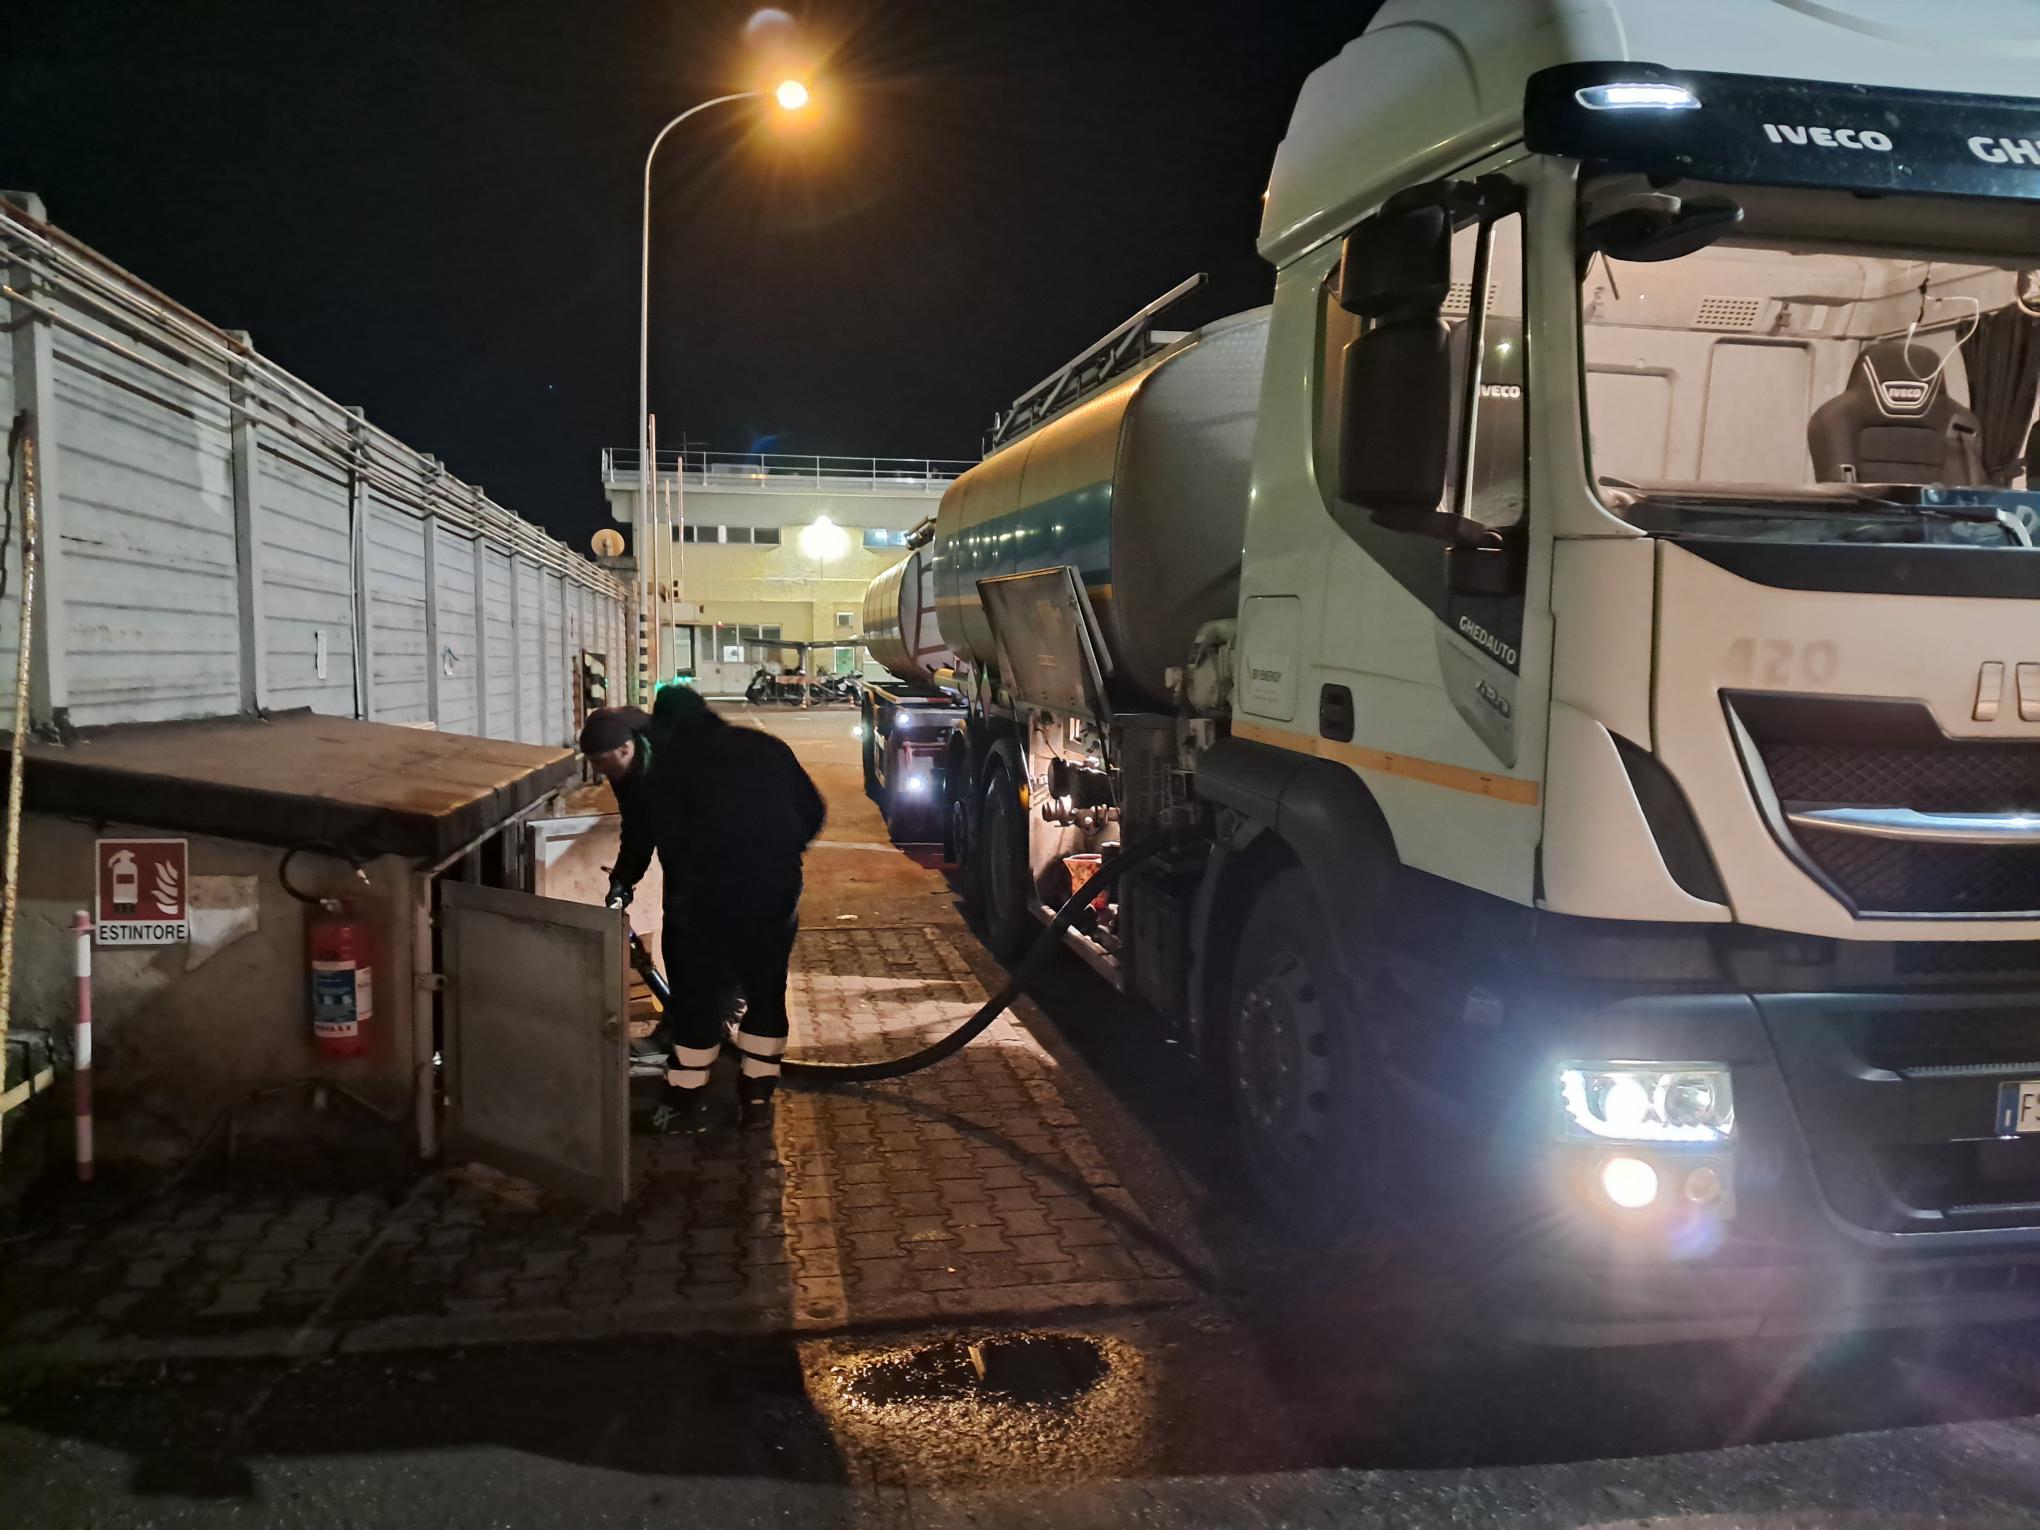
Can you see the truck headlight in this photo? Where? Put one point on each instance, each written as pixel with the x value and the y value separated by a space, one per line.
pixel 1647 1102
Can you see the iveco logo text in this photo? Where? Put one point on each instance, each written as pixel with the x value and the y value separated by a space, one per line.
pixel 2005 151
pixel 1474 632
pixel 1501 390
pixel 1828 138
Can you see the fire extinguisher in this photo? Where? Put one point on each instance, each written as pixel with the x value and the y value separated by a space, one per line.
pixel 343 978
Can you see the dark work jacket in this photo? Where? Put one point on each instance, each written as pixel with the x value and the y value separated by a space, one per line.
pixel 729 811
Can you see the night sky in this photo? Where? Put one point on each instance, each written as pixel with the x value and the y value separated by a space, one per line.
pixel 430 207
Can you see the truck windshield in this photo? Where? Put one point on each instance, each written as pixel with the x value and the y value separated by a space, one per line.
pixel 1837 367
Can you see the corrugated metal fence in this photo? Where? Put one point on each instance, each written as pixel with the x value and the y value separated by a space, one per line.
pixel 218 536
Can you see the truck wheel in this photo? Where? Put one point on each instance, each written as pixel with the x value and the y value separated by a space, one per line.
pixel 870 757
pixel 963 839
pixel 1005 885
pixel 1301 1089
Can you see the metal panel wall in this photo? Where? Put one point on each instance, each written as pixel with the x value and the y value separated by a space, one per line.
pixel 10 544
pixel 146 527
pixel 396 615
pixel 308 584
pixel 553 702
pixel 577 632
pixel 218 536
pixel 530 656
pixel 459 659
pixel 502 658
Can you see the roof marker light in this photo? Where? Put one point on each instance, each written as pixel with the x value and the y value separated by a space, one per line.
pixel 1636 97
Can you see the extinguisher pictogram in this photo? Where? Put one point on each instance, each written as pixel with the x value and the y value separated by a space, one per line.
pixel 343 978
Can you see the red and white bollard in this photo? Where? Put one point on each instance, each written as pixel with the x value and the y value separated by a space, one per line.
pixel 81 1076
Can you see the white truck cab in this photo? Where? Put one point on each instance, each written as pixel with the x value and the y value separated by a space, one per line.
pixel 1615 754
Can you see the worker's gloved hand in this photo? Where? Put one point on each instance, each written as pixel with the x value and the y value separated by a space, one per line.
pixel 619 896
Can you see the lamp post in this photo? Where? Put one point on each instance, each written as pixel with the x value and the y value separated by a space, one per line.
pixel 790 95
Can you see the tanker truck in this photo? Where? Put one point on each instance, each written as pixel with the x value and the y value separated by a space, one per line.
pixel 905 720
pixel 1579 645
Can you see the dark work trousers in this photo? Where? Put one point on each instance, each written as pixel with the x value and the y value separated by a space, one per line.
pixel 708 963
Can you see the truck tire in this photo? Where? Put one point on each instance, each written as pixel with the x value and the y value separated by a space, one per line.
pixel 870 750
pixel 1303 1094
pixel 964 834
pixel 1005 885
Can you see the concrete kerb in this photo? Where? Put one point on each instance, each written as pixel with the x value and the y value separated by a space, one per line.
pixel 906 1312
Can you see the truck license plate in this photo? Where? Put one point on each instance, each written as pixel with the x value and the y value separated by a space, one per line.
pixel 2018 1108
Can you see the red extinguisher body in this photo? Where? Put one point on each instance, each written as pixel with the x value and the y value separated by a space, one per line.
pixel 342 978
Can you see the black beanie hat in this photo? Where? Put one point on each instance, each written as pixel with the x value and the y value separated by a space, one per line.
pixel 610 728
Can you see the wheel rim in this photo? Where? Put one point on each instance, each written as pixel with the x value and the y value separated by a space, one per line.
pixel 1282 1059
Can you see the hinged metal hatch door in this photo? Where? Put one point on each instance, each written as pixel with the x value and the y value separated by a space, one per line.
pixel 537 1049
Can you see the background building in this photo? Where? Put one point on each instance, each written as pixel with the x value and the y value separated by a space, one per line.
pixel 772 548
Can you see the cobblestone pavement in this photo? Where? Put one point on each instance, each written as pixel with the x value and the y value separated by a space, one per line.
pixel 968 1190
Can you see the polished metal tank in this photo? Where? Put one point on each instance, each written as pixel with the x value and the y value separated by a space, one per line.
pixel 899 621
pixel 1141 489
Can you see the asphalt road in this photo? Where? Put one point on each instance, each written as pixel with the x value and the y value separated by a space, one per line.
pixel 1290 1393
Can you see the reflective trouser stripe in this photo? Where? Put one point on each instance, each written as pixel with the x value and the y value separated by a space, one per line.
pixel 759 1055
pixel 690 1065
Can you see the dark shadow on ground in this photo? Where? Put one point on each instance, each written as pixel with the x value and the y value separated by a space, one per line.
pixel 725 1407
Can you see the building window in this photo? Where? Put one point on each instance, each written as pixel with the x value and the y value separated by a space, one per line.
pixel 878 538
pixel 845 620
pixel 763 536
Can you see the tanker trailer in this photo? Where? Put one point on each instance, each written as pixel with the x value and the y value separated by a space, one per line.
pixel 1074 572
pixel 906 717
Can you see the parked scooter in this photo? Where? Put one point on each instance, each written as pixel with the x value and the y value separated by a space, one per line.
pixel 784 687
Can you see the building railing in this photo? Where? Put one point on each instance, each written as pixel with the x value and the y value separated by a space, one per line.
pixel 782 472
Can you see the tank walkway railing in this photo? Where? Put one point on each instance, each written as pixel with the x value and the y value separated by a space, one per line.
pixel 782 472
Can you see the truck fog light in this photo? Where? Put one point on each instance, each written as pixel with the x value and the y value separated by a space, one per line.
pixel 1630 1183
pixel 915 785
pixel 1703 1186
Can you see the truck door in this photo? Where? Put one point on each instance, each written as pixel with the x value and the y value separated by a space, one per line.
pixel 1421 664
pixel 536 1063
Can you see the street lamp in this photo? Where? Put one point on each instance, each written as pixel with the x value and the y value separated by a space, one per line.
pixel 822 539
pixel 791 95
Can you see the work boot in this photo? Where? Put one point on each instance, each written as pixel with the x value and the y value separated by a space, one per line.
pixel 682 1112
pixel 754 1103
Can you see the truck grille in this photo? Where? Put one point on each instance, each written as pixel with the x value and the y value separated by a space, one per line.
pixel 1822 752
pixel 1888 877
pixel 1965 958
pixel 1897 1097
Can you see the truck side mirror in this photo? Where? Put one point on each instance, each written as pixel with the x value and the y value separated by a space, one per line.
pixel 1395 422
pixel 1399 263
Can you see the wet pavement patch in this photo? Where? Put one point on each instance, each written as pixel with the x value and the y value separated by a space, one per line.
pixel 1032 1369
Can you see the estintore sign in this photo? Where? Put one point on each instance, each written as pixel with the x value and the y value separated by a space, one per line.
pixel 144 889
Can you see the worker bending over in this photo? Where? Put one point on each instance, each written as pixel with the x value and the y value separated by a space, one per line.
pixel 730 813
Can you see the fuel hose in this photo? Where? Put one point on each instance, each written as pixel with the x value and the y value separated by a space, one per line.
pixel 795 1069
